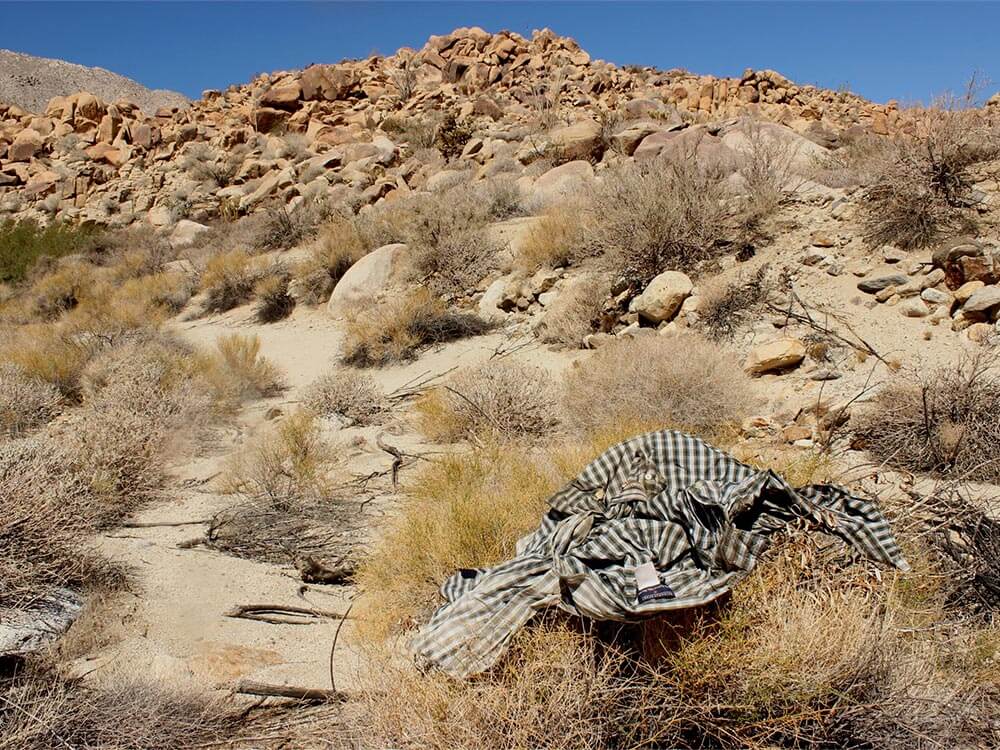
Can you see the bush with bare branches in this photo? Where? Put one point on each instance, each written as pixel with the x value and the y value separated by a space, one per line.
pixel 494 401
pixel 349 394
pixel 923 190
pixel 947 422
pixel 397 329
pixel 25 402
pixel 683 382
pixel 668 214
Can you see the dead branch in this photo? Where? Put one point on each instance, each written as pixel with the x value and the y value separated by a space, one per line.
pixel 280 614
pixel 307 695
pixel 157 524
pixel 397 457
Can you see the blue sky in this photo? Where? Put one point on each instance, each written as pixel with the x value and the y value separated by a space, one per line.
pixel 883 50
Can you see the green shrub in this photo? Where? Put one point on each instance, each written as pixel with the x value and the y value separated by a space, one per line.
pixel 22 243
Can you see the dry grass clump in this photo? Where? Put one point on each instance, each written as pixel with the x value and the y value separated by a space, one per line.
pixel 229 280
pixel 553 242
pixel 40 709
pixel 668 214
pixel 236 371
pixel 284 466
pixel 923 190
pixel 287 508
pixel 396 330
pixel 725 308
pixel 495 401
pixel 766 168
pixel 341 243
pixel 685 383
pixel 947 423
pixel 49 353
pixel 25 402
pixel 272 302
pixel 348 394
pixel 62 289
pixel 795 658
pixel 576 312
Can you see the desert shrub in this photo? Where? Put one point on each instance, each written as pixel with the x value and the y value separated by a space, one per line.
pixel 49 353
pixel 22 243
pixel 280 228
pixel 209 165
pixel 946 423
pixel 668 214
pixel 283 466
pixel 340 244
pixel 169 291
pixel 41 709
pixel 682 382
pixel 455 262
pixel 855 161
pixel 236 372
pixel 25 402
pixel 552 242
pixel 451 135
pixel 229 279
pixel 725 307
pixel 416 132
pixel 575 312
pixel 62 289
pixel 923 190
pixel 395 330
pixel 504 199
pixel 766 167
pixel 287 509
pixel 494 401
pixel 348 394
pixel 272 300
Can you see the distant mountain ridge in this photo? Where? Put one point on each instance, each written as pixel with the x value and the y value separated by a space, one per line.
pixel 29 82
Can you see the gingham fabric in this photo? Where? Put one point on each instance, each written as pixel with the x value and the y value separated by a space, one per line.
pixel 698 515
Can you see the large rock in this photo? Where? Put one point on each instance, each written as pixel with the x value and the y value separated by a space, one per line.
pixel 325 82
pixel 769 139
pixel 775 355
pixel 283 96
pixel 878 283
pixel 581 140
pixel 663 296
pixel 559 184
pixel 983 300
pixel 27 143
pixel 368 279
pixel 695 142
pixel 186 233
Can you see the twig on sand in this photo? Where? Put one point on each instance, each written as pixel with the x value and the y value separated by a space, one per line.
pixel 280 614
pixel 397 457
pixel 306 695
pixel 156 524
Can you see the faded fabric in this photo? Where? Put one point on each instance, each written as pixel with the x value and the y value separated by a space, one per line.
pixel 664 500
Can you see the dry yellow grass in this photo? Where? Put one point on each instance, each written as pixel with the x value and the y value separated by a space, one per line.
pixel 340 244
pixel 395 330
pixel 236 371
pixel 552 242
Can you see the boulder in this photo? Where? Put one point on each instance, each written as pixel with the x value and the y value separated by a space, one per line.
pixel 267 185
pixel 27 630
pixel 283 96
pixel 747 137
pixel 26 144
pixel 663 296
pixel 983 300
pixel 368 279
pixel 266 119
pixel 581 140
pixel 878 283
pixel 186 232
pixel 780 354
pixel 325 83
pixel 706 148
pixel 560 183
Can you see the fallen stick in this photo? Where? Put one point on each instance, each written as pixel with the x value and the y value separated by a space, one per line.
pixel 278 614
pixel 397 457
pixel 155 524
pixel 310 695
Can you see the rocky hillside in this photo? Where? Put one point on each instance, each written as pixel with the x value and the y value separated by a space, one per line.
pixel 82 157
pixel 30 82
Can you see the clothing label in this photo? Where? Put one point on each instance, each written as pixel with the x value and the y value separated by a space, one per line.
pixel 647 581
